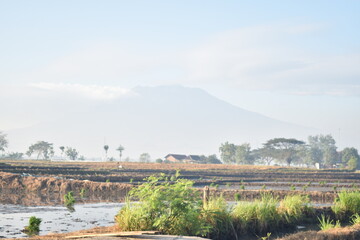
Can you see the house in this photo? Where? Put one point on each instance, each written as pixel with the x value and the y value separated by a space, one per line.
pixel 176 158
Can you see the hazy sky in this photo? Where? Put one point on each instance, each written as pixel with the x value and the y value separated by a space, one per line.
pixel 297 61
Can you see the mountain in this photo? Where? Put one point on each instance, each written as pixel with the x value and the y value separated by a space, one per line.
pixel 157 120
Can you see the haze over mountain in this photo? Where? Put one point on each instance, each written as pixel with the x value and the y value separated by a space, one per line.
pixel 157 120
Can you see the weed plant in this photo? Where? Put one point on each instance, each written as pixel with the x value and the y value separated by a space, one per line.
pixel 69 199
pixel 326 223
pixel 355 219
pixel 34 226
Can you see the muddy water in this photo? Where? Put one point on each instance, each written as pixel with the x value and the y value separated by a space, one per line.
pixel 56 219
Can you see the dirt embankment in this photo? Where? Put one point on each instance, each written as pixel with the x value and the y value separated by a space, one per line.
pixel 17 183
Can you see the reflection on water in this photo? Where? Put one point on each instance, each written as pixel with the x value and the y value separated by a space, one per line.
pixel 56 219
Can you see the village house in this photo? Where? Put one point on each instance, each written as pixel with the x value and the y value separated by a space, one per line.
pixel 181 158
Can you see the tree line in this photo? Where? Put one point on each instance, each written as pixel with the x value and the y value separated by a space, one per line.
pixel 319 149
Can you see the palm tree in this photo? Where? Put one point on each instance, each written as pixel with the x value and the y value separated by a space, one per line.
pixel 106 148
pixel 62 148
pixel 120 149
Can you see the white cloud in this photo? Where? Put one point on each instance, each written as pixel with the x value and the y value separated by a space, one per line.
pixel 259 58
pixel 89 91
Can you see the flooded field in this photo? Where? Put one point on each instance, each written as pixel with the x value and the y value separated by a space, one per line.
pixel 56 219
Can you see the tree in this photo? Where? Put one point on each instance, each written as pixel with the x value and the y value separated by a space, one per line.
pixel 72 153
pixel 286 149
pixel 62 148
pixel 243 154
pixel 212 159
pixel 3 142
pixel 350 156
pixel 323 149
pixel 265 155
pixel 227 152
pixel 120 149
pixel 106 148
pixel 159 160
pixel 41 148
pixel 144 157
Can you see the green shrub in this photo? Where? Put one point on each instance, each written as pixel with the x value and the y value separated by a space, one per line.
pixel 237 197
pixel 34 226
pixel 172 208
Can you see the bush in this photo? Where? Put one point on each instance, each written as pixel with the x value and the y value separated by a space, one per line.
pixel 326 223
pixel 172 208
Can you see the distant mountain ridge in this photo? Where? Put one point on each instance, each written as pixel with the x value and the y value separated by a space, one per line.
pixel 157 120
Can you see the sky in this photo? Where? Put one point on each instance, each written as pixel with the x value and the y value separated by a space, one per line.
pixel 296 61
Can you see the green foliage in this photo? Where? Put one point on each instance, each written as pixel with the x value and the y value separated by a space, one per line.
pixel 242 187
pixel 69 199
pixel 131 180
pixel 292 187
pixel 347 203
pixel 34 226
pixel 172 208
pixel 107 180
pixel 326 223
pixel 352 164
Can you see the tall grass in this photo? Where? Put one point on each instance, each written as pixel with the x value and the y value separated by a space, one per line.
pixel 217 216
pixel 258 217
pixel 293 207
pixel 347 203
pixel 326 223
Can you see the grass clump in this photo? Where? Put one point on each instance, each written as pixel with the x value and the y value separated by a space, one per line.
pixel 34 226
pixel 347 203
pixel 326 223
pixel 257 217
pixel 355 219
pixel 292 208
pixel 217 216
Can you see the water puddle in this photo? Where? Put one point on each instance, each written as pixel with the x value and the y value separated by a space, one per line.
pixel 56 219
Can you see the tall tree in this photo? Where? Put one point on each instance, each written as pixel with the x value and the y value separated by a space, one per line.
pixel 227 152
pixel 323 149
pixel 62 148
pixel 265 155
pixel 41 148
pixel 144 157
pixel 106 148
pixel 120 149
pixel 3 142
pixel 72 153
pixel 350 156
pixel 243 154
pixel 286 149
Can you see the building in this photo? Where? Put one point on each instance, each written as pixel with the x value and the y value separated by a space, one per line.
pixel 182 158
